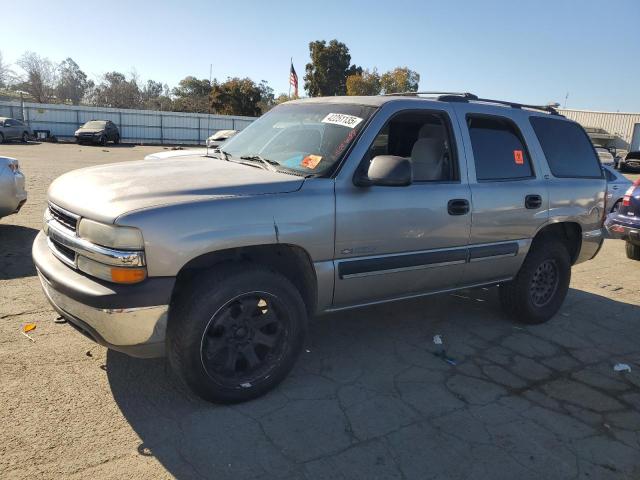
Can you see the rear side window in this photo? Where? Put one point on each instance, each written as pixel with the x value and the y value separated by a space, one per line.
pixel 567 148
pixel 498 150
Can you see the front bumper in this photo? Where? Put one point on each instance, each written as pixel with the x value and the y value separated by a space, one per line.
pixel 623 228
pixel 128 318
pixel 88 138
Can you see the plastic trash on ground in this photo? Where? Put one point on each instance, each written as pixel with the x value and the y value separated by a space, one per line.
pixel 621 367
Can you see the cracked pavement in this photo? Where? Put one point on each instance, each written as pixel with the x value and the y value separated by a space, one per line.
pixel 368 398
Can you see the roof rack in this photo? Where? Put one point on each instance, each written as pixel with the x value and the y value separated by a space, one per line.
pixel 466 95
pixel 470 97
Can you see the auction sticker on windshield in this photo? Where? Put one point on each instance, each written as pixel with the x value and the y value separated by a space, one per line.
pixel 350 121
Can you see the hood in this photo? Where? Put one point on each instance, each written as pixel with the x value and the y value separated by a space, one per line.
pixel 107 191
pixel 177 153
pixel 90 130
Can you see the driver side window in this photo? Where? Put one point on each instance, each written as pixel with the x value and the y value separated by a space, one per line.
pixel 423 138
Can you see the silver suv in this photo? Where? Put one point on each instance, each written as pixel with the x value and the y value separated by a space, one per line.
pixel 322 204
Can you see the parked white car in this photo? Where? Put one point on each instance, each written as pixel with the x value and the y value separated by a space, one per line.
pixel 220 136
pixel 13 194
pixel 605 156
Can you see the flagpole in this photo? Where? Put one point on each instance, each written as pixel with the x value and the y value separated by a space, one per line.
pixel 290 78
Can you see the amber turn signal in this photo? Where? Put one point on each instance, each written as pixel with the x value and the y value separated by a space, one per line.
pixel 128 275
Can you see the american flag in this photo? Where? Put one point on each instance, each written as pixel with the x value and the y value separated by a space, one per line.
pixel 293 80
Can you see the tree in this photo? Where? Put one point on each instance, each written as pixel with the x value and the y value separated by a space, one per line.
pixel 155 96
pixel 116 91
pixel 400 79
pixel 6 74
pixel 327 73
pixel 40 77
pixel 367 83
pixel 283 97
pixel 72 82
pixel 236 96
pixel 268 99
pixel 192 95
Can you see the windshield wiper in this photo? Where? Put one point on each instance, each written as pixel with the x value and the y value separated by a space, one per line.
pixel 268 164
pixel 226 155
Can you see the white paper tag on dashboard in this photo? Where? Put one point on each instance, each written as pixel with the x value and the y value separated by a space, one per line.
pixel 342 119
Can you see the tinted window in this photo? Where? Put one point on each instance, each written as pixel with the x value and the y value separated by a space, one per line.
pixel 567 148
pixel 498 151
pixel 422 137
pixel 633 155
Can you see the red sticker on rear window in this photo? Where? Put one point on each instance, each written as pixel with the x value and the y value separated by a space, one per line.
pixel 518 157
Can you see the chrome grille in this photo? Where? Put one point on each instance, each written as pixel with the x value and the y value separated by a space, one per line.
pixel 64 218
pixel 67 252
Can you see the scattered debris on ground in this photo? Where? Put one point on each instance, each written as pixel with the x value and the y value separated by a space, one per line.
pixel 621 367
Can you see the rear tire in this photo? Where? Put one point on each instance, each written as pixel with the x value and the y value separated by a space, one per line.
pixel 103 140
pixel 235 333
pixel 538 290
pixel 1 138
pixel 116 140
pixel 633 251
pixel 25 137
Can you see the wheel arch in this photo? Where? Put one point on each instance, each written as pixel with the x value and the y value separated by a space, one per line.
pixel 568 232
pixel 291 261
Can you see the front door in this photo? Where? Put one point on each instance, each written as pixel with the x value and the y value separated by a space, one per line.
pixel 394 242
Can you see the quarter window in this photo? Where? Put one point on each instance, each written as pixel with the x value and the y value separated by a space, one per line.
pixel 567 148
pixel 498 150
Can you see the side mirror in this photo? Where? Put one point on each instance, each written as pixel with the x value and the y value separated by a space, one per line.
pixel 387 171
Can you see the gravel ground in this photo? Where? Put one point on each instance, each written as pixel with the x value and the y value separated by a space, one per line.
pixel 368 399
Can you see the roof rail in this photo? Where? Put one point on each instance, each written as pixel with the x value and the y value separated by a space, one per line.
pixel 467 95
pixel 470 97
pixel 550 108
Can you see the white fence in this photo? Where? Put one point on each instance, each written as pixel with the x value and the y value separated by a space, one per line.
pixel 136 126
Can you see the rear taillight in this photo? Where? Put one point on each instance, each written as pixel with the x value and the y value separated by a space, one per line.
pixel 626 200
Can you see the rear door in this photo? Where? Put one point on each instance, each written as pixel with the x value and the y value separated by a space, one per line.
pixel 508 188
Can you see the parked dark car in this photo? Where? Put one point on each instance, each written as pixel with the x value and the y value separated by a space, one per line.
pixel 617 185
pixel 630 162
pixel 13 129
pixel 98 131
pixel 625 222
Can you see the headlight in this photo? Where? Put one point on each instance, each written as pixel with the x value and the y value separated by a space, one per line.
pixel 112 236
pixel 111 273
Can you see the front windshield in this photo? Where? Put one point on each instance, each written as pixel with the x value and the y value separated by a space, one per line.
pixel 94 124
pixel 305 137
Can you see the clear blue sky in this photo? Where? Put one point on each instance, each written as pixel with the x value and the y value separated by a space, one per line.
pixel 534 51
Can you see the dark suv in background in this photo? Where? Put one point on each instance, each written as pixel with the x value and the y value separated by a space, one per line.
pixel 630 161
pixel 98 131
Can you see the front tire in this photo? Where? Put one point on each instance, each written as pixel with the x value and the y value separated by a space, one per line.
pixel 25 137
pixel 1 138
pixel 633 251
pixel 538 290
pixel 116 140
pixel 234 334
pixel 103 140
